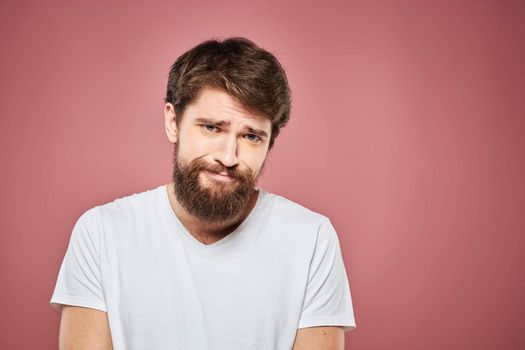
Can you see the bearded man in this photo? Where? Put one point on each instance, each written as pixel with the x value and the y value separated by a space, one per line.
pixel 208 261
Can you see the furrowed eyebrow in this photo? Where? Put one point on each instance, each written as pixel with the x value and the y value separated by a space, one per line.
pixel 212 122
pixel 257 132
pixel 260 133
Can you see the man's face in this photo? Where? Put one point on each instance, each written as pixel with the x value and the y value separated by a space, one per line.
pixel 220 149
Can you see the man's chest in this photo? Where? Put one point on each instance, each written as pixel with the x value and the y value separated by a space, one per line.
pixel 175 292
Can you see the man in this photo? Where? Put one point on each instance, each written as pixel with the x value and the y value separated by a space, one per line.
pixel 208 261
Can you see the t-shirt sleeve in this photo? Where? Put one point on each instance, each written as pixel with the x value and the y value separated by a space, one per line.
pixel 327 299
pixel 79 280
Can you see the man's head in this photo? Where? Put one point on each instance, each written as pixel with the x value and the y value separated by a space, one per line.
pixel 250 74
pixel 225 104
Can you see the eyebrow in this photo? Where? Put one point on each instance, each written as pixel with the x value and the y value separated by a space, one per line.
pixel 258 132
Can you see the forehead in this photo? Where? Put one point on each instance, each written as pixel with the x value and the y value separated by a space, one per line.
pixel 217 104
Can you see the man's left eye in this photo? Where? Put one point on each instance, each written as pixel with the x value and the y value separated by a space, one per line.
pixel 253 137
pixel 210 127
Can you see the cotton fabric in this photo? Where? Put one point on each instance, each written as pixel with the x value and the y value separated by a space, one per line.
pixel 280 270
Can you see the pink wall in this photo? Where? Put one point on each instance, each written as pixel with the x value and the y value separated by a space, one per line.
pixel 407 130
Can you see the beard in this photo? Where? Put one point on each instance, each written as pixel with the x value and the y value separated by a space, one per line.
pixel 219 201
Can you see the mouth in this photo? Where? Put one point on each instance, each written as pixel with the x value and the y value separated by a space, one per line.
pixel 219 177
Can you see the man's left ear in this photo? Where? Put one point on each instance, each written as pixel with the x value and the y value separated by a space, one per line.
pixel 170 123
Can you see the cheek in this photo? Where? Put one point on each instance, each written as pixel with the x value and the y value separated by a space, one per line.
pixel 254 160
pixel 191 146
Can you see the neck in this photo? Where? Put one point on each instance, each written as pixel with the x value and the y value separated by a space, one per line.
pixel 206 232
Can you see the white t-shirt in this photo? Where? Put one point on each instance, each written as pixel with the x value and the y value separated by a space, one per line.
pixel 280 270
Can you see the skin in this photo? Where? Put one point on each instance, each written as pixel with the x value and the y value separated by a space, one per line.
pixel 83 329
pixel 320 338
pixel 230 145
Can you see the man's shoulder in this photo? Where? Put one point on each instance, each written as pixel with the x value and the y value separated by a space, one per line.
pixel 127 205
pixel 292 211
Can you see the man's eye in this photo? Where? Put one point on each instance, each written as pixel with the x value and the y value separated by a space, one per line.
pixel 253 138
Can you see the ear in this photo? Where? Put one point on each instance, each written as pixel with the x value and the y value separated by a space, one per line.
pixel 170 122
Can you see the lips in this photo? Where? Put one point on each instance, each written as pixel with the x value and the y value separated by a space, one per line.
pixel 222 174
pixel 225 175
pixel 219 176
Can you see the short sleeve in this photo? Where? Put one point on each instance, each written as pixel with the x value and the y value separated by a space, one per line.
pixel 327 299
pixel 79 279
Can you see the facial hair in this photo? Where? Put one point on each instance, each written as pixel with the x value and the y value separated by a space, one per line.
pixel 218 201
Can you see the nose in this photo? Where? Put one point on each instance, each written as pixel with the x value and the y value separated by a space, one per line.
pixel 226 153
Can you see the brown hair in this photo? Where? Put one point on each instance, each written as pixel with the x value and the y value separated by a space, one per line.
pixel 247 72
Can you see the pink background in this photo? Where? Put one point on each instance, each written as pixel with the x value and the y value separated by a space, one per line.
pixel 407 131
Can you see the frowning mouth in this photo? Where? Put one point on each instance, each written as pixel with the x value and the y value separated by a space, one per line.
pixel 219 177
